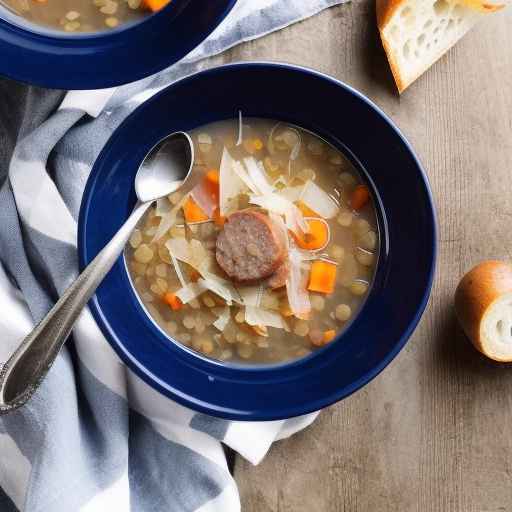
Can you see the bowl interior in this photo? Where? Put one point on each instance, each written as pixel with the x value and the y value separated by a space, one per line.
pixel 406 222
pixel 381 257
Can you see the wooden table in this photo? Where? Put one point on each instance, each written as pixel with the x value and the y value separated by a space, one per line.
pixel 434 431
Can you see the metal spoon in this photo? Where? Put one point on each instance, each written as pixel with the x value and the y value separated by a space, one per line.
pixel 164 169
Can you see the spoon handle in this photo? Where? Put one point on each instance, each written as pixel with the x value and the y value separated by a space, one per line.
pixel 22 374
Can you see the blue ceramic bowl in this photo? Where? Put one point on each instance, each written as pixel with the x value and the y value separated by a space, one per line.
pixel 59 60
pixel 406 221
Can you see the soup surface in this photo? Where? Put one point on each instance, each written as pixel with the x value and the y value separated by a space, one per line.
pixel 271 254
pixel 80 15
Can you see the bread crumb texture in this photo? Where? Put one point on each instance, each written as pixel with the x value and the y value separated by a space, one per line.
pixel 416 33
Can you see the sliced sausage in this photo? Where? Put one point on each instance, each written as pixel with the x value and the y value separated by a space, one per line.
pixel 249 248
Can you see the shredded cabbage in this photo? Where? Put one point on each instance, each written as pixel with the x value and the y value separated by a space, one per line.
pixel 318 200
pixel 283 232
pixel 240 171
pixel 258 176
pixel 177 268
pixel 276 203
pixel 190 291
pixel 168 220
pixel 167 214
pixel 292 193
pixel 230 184
pixel 250 295
pixel 272 202
pixel 221 287
pixel 240 128
pixel 180 248
pixel 223 315
pixel 296 286
pixel 295 221
pixel 259 316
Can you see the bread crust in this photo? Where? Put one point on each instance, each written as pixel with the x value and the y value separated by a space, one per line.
pixel 477 291
pixel 385 11
pixel 395 70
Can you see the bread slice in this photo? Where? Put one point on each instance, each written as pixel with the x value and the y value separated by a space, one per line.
pixel 416 33
pixel 483 304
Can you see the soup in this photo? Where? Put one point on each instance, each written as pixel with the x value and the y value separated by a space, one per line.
pixel 269 257
pixel 82 15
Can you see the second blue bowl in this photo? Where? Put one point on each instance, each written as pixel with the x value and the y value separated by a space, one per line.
pixel 50 58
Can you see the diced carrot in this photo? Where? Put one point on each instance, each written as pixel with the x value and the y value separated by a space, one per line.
pixel 329 335
pixel 156 5
pixel 194 275
pixel 219 219
pixel 317 236
pixel 306 210
pixel 192 211
pixel 213 176
pixel 212 185
pixel 173 301
pixel 360 197
pixel 322 277
pixel 203 199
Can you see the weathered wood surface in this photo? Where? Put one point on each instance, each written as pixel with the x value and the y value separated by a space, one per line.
pixel 434 431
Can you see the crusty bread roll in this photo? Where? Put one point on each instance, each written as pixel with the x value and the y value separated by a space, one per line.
pixel 416 33
pixel 483 304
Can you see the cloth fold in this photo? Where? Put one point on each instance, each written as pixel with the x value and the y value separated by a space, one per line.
pixel 95 437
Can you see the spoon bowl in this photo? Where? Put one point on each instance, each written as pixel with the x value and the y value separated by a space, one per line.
pixel 166 167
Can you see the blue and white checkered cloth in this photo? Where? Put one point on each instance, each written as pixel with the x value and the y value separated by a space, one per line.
pixel 95 437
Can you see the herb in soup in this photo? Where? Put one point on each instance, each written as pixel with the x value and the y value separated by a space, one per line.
pixel 269 257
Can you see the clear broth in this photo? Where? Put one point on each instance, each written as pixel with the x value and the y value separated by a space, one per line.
pixel 353 247
pixel 75 16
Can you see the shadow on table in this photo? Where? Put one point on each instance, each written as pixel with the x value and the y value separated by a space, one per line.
pixel 374 63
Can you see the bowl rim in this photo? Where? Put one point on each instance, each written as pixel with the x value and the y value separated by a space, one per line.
pixel 37 55
pixel 340 393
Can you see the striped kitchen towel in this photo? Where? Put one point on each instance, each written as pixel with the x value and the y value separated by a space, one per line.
pixel 95 437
